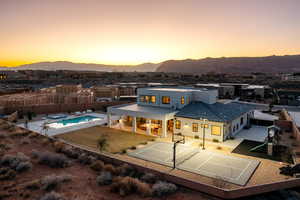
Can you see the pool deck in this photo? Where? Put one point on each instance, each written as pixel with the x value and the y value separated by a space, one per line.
pixel 37 126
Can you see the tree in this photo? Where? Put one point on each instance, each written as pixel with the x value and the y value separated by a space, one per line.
pixel 102 143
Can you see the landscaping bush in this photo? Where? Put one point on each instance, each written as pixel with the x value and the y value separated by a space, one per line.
pixel 133 147
pixel 149 178
pixel 97 165
pixel 126 170
pixel 105 178
pixel 219 148
pixel 51 182
pixel 7 174
pixel 33 135
pixel 127 185
pixel 163 188
pixel 58 146
pixel 86 159
pixel 123 151
pixel 196 136
pixel 215 140
pixel 52 160
pixel 52 196
pixel 70 152
pixel 110 168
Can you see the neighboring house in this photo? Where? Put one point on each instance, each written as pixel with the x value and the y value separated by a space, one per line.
pixel 162 111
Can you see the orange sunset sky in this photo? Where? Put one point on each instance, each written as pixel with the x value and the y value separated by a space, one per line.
pixel 137 31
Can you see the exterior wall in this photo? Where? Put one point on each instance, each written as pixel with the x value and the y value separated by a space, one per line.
pixel 236 126
pixel 174 96
pixel 108 92
pixel 187 125
pixel 206 96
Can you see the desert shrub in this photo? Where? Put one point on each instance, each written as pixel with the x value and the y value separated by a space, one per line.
pixel 52 196
pixel 70 152
pixel 33 185
pixel 24 166
pixel 3 135
pixel 97 165
pixel 105 178
pixel 110 168
pixel 86 159
pixel 219 148
pixel 33 135
pixel 128 185
pixel 58 146
pixel 7 174
pixel 25 140
pixel 163 188
pixel 50 159
pixel 149 178
pixel 19 162
pixel 51 182
pixel 4 194
pixel 126 170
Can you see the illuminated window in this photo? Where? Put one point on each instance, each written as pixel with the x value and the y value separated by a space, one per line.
pixel 215 130
pixel 142 98
pixel 195 127
pixel 182 100
pixel 147 99
pixel 153 99
pixel 166 100
pixel 178 124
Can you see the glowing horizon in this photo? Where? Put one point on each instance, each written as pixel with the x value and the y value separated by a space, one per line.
pixel 135 32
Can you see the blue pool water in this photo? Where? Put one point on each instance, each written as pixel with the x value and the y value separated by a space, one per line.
pixel 76 120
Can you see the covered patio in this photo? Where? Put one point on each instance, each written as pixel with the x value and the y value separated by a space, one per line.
pixel 142 119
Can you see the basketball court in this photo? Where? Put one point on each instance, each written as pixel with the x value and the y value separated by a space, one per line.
pixel 215 165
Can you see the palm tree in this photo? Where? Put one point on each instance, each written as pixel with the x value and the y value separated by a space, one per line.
pixel 102 143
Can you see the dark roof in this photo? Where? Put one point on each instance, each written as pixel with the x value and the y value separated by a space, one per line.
pixel 218 112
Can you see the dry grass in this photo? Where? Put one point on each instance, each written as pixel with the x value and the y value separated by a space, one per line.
pixel 117 140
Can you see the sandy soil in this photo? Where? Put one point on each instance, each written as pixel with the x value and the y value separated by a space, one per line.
pixel 83 185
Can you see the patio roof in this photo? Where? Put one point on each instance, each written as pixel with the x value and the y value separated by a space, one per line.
pixel 143 111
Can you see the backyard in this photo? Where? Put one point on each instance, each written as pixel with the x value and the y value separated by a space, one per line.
pixel 117 140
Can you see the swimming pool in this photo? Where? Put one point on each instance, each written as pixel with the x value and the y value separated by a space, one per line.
pixel 74 121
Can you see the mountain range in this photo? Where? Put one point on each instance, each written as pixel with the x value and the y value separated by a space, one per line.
pixel 239 65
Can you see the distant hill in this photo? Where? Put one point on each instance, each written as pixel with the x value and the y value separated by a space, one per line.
pixel 270 64
pixel 63 65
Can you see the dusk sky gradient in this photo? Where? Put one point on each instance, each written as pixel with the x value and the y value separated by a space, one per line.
pixel 137 31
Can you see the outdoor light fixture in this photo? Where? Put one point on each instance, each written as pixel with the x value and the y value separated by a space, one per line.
pixel 204 126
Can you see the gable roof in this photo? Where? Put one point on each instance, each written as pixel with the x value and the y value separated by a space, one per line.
pixel 218 112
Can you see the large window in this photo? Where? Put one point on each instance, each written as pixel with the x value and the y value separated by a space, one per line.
pixel 153 99
pixel 166 100
pixel 216 130
pixel 182 100
pixel 195 127
pixel 178 124
pixel 142 98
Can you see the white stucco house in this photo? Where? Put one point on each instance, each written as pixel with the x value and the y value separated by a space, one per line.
pixel 164 111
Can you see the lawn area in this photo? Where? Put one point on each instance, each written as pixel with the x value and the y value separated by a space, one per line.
pixel 117 139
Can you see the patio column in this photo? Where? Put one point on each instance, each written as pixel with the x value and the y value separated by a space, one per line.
pixel 148 121
pixel 134 124
pixel 109 120
pixel 164 128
